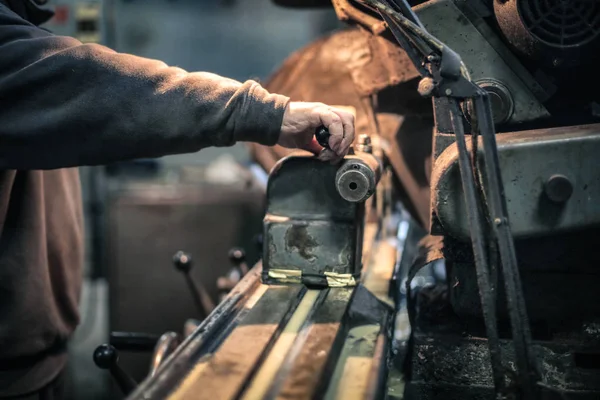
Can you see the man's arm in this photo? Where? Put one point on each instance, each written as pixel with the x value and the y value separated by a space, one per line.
pixel 66 104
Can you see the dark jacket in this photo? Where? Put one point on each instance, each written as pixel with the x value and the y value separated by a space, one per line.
pixel 64 104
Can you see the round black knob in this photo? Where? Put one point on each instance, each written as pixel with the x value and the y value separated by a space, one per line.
pixel 182 261
pixel 106 356
pixel 558 188
pixel 322 135
pixel 237 255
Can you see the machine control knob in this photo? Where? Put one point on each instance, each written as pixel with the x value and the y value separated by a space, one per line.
pixel 355 180
pixel 106 356
pixel 182 261
pixel 237 256
pixel 322 135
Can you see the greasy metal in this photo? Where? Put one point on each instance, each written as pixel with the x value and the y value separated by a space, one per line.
pixel 305 363
pixel 454 81
pixel 308 227
pixel 480 250
pixel 233 359
pixel 496 204
pixel 254 348
pixel 195 346
pixel 165 346
pixel 523 158
pixel 481 58
pixel 457 367
pixel 357 177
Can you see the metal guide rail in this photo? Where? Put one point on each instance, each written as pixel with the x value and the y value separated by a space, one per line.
pixel 287 341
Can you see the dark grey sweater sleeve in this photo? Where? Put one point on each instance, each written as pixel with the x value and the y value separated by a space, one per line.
pixel 63 104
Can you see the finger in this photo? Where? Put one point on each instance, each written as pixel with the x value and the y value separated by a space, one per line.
pixel 347 138
pixel 327 155
pixel 348 135
pixel 314 147
pixel 333 122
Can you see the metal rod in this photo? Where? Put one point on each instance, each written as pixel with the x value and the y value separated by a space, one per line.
pixel 519 321
pixel 401 37
pixel 479 249
pixel 403 7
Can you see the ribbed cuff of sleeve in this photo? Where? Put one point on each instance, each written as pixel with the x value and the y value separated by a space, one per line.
pixel 261 117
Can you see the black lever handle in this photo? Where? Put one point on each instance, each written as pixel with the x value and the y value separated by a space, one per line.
pixel 107 357
pixel 322 135
pixel 183 263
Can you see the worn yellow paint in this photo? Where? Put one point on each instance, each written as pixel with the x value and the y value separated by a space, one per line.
pixel 355 378
pixel 190 381
pixel 286 275
pixel 258 293
pixel 339 280
pixel 267 372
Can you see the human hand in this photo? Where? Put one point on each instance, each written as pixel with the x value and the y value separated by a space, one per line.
pixel 301 120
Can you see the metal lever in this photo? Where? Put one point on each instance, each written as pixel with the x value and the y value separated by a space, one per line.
pixel 322 135
pixel 237 256
pixel 183 263
pixel 107 357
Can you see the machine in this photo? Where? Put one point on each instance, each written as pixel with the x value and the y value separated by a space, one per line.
pixel 489 294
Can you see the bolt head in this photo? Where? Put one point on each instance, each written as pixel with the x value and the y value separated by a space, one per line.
pixel 558 188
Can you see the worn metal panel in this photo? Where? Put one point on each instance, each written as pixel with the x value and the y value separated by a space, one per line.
pixel 442 17
pixel 314 247
pixel 527 160
pixel 309 227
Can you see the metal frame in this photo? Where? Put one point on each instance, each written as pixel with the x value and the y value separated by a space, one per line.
pixel 445 75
